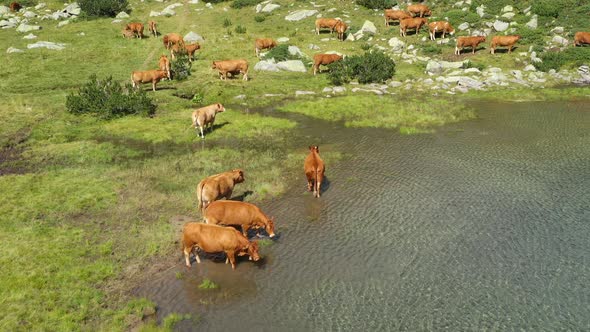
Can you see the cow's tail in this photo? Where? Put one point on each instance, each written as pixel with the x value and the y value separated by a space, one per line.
pixel 200 195
pixel 317 184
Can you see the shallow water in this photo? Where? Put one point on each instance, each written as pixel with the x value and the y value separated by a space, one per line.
pixel 484 224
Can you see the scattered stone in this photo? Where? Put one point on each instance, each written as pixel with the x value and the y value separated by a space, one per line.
pixel 4 24
pixel 193 2
pixel 530 68
pixel 517 74
pixel 272 95
pixel 437 67
pixel 72 9
pixel 209 5
pixel 327 90
pixel 294 50
pixel 480 10
pixel 302 93
pixel 192 37
pixel 472 71
pixel 266 65
pixel 154 14
pixel 30 36
pixel 48 45
pixel 508 15
pixel 122 15
pixel 313 47
pixel 41 5
pixel 557 30
pixel 29 14
pixel 116 21
pixel 397 45
pixel 26 28
pixel 298 15
pixel 369 27
pixel 584 70
pixel 533 23
pixel 292 65
pixel 168 12
pixel 239 97
pixel 527 10
pixel 270 7
pixel 62 23
pixel 14 50
pixel 559 40
pixel 282 39
pixel 339 89
pixel 463 26
pixel 395 84
pixel 507 9
pixel 500 25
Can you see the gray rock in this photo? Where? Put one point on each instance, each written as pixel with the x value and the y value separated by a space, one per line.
pixel 270 7
pixel 584 69
pixel 292 65
pixel 558 40
pixel 313 47
pixel 339 89
pixel 14 50
pixel 294 50
pixel 4 24
pixel 209 5
pixel 527 10
pixel 507 9
pixel 26 28
pixel 240 97
pixel 500 25
pixel 533 23
pixel 192 37
pixel 29 14
pixel 72 9
pixel 122 15
pixel 530 68
pixel 30 36
pixel 557 30
pixel 62 23
pixel 517 74
pixel 282 39
pixel 298 15
pixel 480 10
pixel 434 67
pixel 154 14
pixel 369 27
pixel 508 15
pixel 168 12
pixel 116 21
pixel 41 5
pixel 266 65
pixel 472 71
pixel 303 93
pixel 395 84
pixel 397 45
pixel 327 90
pixel 193 2
pixel 469 82
pixel 4 10
pixel 48 45
pixel 463 26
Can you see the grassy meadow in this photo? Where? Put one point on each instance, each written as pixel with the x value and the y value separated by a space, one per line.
pixel 86 204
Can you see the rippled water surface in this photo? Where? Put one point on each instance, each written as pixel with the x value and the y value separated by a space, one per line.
pixel 483 225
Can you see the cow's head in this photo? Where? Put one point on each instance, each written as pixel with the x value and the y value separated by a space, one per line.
pixel 253 251
pixel 214 65
pixel 428 13
pixel 219 108
pixel 315 148
pixel 238 175
pixel 517 37
pixel 270 227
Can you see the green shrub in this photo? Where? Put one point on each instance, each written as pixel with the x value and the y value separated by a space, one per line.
pixel 99 8
pixel 547 8
pixel 371 67
pixel 432 49
pixel 470 64
pixel 281 53
pixel 366 46
pixel 259 18
pixel 457 16
pixel 107 99
pixel 226 22
pixel 573 56
pixel 493 7
pixel 180 68
pixel 24 3
pixel 237 4
pixel 531 36
pixel 377 4
pixel 208 284
pixel 240 29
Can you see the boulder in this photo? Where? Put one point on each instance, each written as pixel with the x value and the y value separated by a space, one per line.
pixel 292 65
pixel 584 70
pixel 122 15
pixel 30 36
pixel 266 65
pixel 517 74
pixel 294 50
pixel 303 93
pixel 168 12
pixel 4 10
pixel 62 23
pixel 4 24
pixel 397 45
pixel 558 40
pixel 41 5
pixel 313 47
pixel 282 39
pixel 480 10
pixel 509 15
pixel 59 15
pixel 192 37
pixel 270 7
pixel 434 67
pixel 14 50
pixel 557 30
pixel 339 89
pixel 154 14
pixel 298 15
pixel 530 68
pixel 26 28
pixel 48 45
pixel 193 2
pixel 209 5
pixel 463 26
pixel 369 27
pixel 500 25
pixel 507 9
pixel 29 14
pixel 72 9
pixel 533 23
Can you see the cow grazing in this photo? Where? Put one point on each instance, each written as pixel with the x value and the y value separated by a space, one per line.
pixel 136 28
pixel 324 59
pixel 205 117
pixel 218 186
pixel 164 64
pixel 472 41
pixel 189 49
pixel 233 213
pixel 213 238
pixel 147 76
pixel 581 38
pixel 395 15
pixel 314 170
pixel 325 23
pixel 263 43
pixel 15 6
pixel 153 27
pixel 507 41
pixel 440 26
pixel 341 28
pixel 411 23
pixel 172 39
pixel 127 33
pixel 419 10
pixel 234 67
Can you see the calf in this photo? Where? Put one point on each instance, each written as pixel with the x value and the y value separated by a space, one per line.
pixel 164 64
pixel 324 59
pixel 440 26
pixel 172 39
pixel 233 213
pixel 217 186
pixel 325 23
pixel 395 15
pixel 263 43
pixel 136 28
pixel 314 170
pixel 153 27
pixel 147 76
pixel 233 67
pixel 341 28
pixel 508 41
pixel 419 10
pixel 581 38
pixel 411 23
pixel 127 33
pixel 472 41
pixel 189 49
pixel 213 238
pixel 205 116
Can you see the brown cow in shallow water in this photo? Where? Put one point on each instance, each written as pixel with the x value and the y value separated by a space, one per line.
pixel 213 238
pixel 419 10
pixel 324 59
pixel 581 38
pixel 233 213
pixel 137 29
pixel 472 41
pixel 395 15
pixel 314 168
pixel 218 186
pixel 508 41
pixel 411 23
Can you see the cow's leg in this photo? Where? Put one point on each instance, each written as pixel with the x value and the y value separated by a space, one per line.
pixel 245 77
pixel 197 257
pixel 187 254
pixel 473 49
pixel 202 133
pixel 245 230
pixel 510 49
pixel 231 255
pixel 154 86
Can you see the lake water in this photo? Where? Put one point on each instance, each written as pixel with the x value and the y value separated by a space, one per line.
pixel 483 225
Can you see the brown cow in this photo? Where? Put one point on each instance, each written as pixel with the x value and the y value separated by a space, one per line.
pixel 164 64
pixel 147 76
pixel 189 49
pixel 263 43
pixel 419 10
pixel 172 39
pixel 137 29
pixel 395 15
pixel 324 59
pixel 236 213
pixel 472 41
pixel 15 6
pixel 213 238
pixel 440 26
pixel 205 116
pixel 325 23
pixel 411 23
pixel 314 170
pixel 234 67
pixel 581 38
pixel 341 28
pixel 503 41
pixel 218 186
pixel 127 33
pixel 153 27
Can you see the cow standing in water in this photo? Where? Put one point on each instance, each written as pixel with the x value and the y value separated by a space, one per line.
pixel 314 170
pixel 233 213
pixel 218 186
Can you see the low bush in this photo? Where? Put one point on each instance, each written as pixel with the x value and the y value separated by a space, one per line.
pixel 493 7
pixel 371 67
pixel 102 8
pixel 180 67
pixel 237 4
pixel 281 53
pixel 240 29
pixel 470 64
pixel 457 16
pixel 432 49
pixel 531 36
pixel 547 8
pixel 377 4
pixel 24 3
pixel 572 56
pixel 259 18
pixel 107 99
pixel 227 22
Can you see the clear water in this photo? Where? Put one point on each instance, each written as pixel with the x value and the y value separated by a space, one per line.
pixel 484 225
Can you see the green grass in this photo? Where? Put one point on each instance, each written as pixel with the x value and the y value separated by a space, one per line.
pixel 208 284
